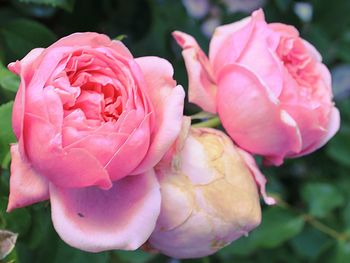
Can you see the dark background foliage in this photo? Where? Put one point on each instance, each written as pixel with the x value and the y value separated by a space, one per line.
pixel 311 223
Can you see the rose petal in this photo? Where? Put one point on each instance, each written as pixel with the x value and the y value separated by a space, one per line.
pixel 95 40
pixel 7 243
pixel 173 197
pixel 131 153
pixel 26 185
pixel 167 101
pixel 258 176
pixel 268 130
pixel 94 220
pixel 72 168
pixel 328 133
pixel 24 68
pixel 229 41
pixel 201 87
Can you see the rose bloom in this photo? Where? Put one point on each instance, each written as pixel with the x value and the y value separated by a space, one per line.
pixel 91 123
pixel 268 85
pixel 209 195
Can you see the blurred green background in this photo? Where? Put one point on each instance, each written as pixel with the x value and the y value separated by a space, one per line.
pixel 311 222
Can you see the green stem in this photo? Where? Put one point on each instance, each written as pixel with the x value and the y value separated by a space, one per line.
pixel 211 123
pixel 314 222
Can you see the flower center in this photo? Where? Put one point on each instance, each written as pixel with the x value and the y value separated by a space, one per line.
pixel 89 85
pixel 298 62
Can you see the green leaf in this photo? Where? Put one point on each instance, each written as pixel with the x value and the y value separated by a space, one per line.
pixel 137 256
pixel 8 80
pixel 346 213
pixel 342 252
pixel 22 35
pixel 40 226
pixel 278 225
pixel 6 134
pixel 67 5
pixel 121 37
pixel 18 220
pixel 66 253
pixel 339 147
pixel 283 5
pixel 321 198
pixel 310 243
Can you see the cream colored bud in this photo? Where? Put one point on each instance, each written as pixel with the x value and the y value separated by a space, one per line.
pixel 209 196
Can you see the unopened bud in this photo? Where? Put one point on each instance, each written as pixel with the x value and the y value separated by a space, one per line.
pixel 209 196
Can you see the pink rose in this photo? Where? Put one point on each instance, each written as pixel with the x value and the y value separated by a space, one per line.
pixel 209 195
pixel 269 87
pixel 91 123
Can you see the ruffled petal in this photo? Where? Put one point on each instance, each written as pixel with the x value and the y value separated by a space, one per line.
pixel 202 85
pixel 95 220
pixel 253 117
pixel 26 185
pixel 71 168
pixel 167 100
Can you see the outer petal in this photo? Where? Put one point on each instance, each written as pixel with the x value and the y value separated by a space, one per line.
pixel 252 116
pixel 229 41
pixel 168 102
pixel 26 185
pixel 72 168
pixel 23 68
pixel 94 40
pixel 202 85
pixel 258 176
pixel 329 132
pixel 95 220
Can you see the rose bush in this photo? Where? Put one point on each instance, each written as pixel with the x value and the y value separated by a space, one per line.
pixel 268 85
pixel 91 123
pixel 209 196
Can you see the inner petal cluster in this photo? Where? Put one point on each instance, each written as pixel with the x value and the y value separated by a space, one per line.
pixel 99 95
pixel 89 85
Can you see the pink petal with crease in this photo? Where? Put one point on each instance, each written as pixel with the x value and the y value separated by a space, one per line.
pixel 131 153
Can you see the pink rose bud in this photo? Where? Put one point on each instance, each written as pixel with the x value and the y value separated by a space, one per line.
pixel 270 88
pixel 87 115
pixel 209 196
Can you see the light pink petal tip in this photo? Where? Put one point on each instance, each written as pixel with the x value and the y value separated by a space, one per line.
pixel 259 177
pixel 95 220
pixel 168 101
pixel 202 85
pixel 26 185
